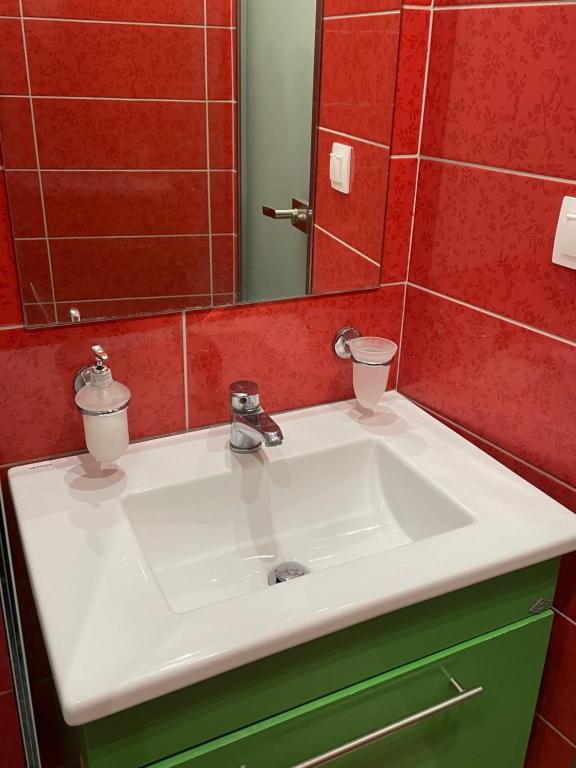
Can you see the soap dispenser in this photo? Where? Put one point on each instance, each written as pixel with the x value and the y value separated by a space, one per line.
pixel 103 403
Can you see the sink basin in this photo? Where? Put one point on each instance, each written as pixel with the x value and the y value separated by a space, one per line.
pixel 216 538
pixel 152 574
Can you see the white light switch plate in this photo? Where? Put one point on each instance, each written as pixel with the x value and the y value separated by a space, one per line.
pixel 565 243
pixel 340 167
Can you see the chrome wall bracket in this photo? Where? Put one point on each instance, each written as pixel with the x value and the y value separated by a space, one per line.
pixel 340 342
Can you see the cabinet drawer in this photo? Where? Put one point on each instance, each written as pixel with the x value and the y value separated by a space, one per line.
pixel 500 673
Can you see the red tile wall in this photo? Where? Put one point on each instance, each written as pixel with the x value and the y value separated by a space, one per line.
pixel 489 338
pixel 105 142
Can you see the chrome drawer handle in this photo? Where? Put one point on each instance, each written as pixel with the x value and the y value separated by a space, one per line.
pixel 399 725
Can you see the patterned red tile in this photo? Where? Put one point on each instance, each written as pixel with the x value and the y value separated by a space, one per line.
pixel 12 753
pixel 34 270
pixel 222 127
pixel 337 268
pixel 346 7
pixel 222 199
pixel 78 133
pixel 130 267
pixel 43 418
pixel 138 203
pixel 487 238
pixel 220 63
pixel 547 749
pixel 13 70
pixel 9 294
pixel 399 206
pixel 25 203
pixel 503 382
pixel 502 88
pixel 220 12
pixel 356 218
pixel 6 683
pixel 77 59
pixel 358 75
pixel 410 81
pixel 170 11
pixel 17 133
pixel 290 349
pixel 557 702
pixel 565 599
pixel 223 263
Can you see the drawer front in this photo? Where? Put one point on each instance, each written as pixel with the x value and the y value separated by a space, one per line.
pixel 469 706
pixel 200 713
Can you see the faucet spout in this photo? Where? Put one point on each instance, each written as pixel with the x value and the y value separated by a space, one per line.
pixel 250 424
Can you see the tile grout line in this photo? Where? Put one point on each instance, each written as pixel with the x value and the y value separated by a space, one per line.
pixel 209 179
pixel 394 12
pixel 485 440
pixel 185 370
pixel 38 97
pixel 123 237
pixel 416 180
pixel 556 731
pixel 347 245
pixel 324 129
pixel 119 22
pixel 564 616
pixel 37 154
pixel 492 6
pixel 498 169
pixel 518 323
pixel 120 170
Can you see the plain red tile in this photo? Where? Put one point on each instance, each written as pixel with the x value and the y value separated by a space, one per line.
pixel 224 263
pixel 220 63
pixel 130 267
pixel 557 702
pixel 25 203
pixel 547 749
pixel 502 88
pixel 505 383
pixel 9 8
pixel 146 354
pixel 17 133
pixel 565 599
pixel 34 270
pixel 223 203
pixel 487 238
pixel 84 133
pixel 138 203
pixel 117 308
pixel 12 752
pixel 6 683
pixel 290 350
pixel 337 268
pixel 222 128
pixel 358 75
pixel 345 7
pixel 221 12
pixel 399 207
pixel 356 218
pixel 170 11
pixel 83 59
pixel 13 71
pixel 410 81
pixel 10 313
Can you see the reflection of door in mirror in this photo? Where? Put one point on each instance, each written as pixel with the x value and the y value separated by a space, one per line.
pixel 277 52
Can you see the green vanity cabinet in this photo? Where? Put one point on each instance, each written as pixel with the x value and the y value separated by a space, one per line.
pixel 294 705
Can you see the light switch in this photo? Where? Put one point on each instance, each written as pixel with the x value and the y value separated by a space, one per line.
pixel 340 164
pixel 565 243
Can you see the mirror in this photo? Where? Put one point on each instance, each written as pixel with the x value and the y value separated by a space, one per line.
pixel 162 157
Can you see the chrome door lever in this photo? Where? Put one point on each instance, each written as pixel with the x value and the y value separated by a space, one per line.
pixel 300 215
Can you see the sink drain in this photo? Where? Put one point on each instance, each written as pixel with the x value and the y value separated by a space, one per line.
pixel 286 572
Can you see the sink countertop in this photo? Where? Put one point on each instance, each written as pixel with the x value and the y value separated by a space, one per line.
pixel 115 640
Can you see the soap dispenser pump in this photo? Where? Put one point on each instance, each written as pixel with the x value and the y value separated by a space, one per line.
pixel 103 403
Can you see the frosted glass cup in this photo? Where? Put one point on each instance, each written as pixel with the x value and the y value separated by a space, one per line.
pixel 371 357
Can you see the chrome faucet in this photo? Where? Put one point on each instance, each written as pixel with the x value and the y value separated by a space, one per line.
pixel 251 425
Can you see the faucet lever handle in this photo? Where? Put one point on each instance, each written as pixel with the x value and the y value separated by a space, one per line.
pixel 244 396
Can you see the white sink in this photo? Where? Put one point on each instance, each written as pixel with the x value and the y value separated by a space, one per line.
pixel 153 574
pixel 218 537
